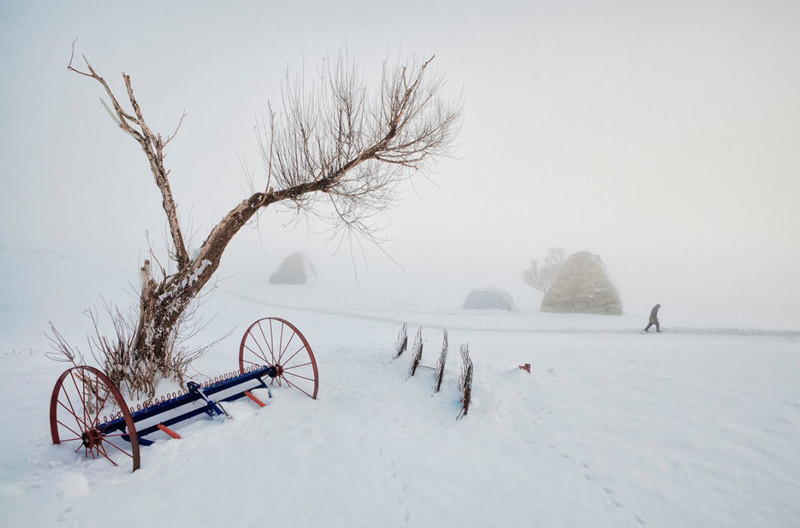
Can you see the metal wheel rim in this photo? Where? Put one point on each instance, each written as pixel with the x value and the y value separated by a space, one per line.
pixel 276 342
pixel 75 417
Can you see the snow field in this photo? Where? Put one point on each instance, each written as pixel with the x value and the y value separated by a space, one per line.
pixel 610 428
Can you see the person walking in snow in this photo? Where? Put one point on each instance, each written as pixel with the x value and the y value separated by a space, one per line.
pixel 653 319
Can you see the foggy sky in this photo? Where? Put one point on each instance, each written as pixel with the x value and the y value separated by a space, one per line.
pixel 662 136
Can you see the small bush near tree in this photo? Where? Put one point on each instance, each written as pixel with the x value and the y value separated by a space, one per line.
pixel 543 277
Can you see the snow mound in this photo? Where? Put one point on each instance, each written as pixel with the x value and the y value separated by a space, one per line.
pixel 489 298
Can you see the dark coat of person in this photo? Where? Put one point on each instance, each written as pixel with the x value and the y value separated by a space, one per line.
pixel 653 319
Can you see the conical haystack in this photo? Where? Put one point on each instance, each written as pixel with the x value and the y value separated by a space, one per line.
pixel 583 286
pixel 296 269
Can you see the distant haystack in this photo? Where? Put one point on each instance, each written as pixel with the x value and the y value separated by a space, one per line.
pixel 489 298
pixel 583 286
pixel 296 269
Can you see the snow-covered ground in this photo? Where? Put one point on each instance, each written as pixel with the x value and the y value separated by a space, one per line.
pixel 697 426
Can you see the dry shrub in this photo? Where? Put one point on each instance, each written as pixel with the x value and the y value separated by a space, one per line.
pixel 401 344
pixel 416 354
pixel 134 373
pixel 465 381
pixel 441 362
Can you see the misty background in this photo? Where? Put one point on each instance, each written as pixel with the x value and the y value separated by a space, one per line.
pixel 662 136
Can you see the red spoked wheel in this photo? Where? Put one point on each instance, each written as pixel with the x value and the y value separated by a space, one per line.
pixel 278 343
pixel 88 411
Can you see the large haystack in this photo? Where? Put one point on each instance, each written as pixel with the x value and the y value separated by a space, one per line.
pixel 583 286
pixel 296 269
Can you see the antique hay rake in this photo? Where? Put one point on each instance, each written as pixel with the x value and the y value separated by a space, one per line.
pixel 88 410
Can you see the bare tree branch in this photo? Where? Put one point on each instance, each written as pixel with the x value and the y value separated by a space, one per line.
pixel 333 153
pixel 153 146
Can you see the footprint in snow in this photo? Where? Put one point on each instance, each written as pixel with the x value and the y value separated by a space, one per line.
pixel 402 486
pixel 589 476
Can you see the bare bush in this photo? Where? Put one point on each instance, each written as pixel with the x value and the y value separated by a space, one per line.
pixel 401 344
pixel 465 381
pixel 542 278
pixel 416 353
pixel 439 370
pixel 136 375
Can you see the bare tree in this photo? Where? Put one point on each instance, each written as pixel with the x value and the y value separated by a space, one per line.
pixel 335 152
pixel 542 278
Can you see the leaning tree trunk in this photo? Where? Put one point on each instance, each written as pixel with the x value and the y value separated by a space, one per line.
pixel 163 304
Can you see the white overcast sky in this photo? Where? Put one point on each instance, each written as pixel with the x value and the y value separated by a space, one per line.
pixel 663 136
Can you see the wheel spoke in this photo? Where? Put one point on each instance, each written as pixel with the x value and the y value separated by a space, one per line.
pixel 102 451
pixel 81 396
pixel 115 446
pixel 280 343
pixel 69 429
pixel 117 435
pixel 83 422
pixel 299 365
pixel 299 376
pixel 262 355
pixel 284 349
pixel 298 388
pixel 71 411
pixel 293 355
pixel 102 405
pixel 268 342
